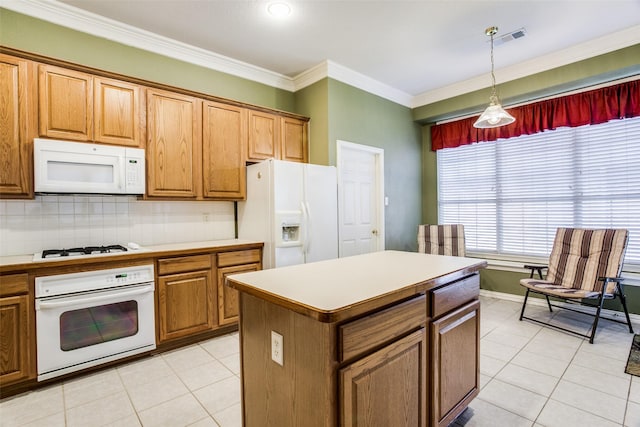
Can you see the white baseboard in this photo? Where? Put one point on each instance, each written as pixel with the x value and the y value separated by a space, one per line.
pixel 635 318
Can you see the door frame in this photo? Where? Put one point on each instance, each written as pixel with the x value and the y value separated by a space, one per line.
pixel 379 190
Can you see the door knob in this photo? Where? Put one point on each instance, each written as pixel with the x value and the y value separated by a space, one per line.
pixel 374 232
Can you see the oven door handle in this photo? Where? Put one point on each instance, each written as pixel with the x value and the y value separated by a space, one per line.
pixel 79 300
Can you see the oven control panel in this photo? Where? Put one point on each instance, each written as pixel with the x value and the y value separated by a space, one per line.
pixel 63 284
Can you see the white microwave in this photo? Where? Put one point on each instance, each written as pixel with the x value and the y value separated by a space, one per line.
pixel 83 168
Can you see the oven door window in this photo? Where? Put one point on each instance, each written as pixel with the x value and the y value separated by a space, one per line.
pixel 95 325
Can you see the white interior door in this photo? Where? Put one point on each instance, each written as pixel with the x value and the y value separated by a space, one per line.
pixel 360 198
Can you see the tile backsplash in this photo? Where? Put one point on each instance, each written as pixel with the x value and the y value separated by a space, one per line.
pixel 54 222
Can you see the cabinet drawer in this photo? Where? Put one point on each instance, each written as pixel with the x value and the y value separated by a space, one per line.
pixel 13 284
pixel 183 264
pixel 453 295
pixel 369 332
pixel 238 257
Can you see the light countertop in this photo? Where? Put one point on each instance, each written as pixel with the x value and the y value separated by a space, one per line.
pixel 26 261
pixel 322 289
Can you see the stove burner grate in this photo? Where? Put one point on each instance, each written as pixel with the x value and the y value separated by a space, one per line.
pixel 87 250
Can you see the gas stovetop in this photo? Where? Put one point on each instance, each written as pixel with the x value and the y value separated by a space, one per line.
pixel 51 254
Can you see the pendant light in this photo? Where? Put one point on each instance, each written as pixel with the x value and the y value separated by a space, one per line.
pixel 494 116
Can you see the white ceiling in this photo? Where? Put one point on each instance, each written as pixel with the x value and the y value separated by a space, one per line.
pixel 418 51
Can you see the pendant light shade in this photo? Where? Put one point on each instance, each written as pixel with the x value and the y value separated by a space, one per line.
pixel 494 115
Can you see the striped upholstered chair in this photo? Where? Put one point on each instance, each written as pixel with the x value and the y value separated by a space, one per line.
pixel 583 265
pixel 445 239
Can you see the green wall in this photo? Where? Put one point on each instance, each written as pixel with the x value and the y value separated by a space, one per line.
pixel 343 112
pixel 313 101
pixel 362 118
pixel 36 36
pixel 614 65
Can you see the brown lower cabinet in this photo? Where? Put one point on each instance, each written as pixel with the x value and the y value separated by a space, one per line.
pixel 186 297
pixel 455 365
pixel 233 263
pixel 192 296
pixel 364 385
pixel 414 363
pixel 17 334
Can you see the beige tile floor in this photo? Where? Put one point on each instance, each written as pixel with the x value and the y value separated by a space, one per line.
pixel 530 376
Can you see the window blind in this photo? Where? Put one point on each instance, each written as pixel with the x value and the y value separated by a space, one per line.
pixel 514 193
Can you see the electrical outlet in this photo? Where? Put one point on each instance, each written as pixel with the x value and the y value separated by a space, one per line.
pixel 277 348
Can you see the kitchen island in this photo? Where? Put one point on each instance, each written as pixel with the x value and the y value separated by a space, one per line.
pixel 383 339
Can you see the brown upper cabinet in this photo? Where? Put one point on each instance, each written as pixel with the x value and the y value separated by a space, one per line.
pixel 18 109
pixel 294 145
pixel 119 112
pixel 196 146
pixel 264 134
pixel 174 144
pixel 278 137
pixel 224 136
pixel 80 107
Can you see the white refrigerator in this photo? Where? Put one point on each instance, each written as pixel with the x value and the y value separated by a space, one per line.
pixel 293 208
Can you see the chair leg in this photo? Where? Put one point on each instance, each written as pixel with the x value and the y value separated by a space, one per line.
pixel 597 317
pixel 623 300
pixel 548 303
pixel 526 296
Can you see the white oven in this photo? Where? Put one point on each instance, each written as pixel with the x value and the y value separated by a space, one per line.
pixel 89 318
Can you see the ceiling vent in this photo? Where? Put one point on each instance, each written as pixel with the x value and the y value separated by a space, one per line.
pixel 513 35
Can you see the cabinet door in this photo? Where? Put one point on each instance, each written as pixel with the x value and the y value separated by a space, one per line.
pixel 66 104
pixel 295 145
pixel 173 146
pixel 224 136
pixel 264 136
pixel 228 306
pixel 365 384
pixel 117 109
pixel 16 120
pixel 185 304
pixel 15 327
pixel 455 353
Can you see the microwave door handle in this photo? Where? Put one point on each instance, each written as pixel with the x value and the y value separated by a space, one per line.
pixel 79 300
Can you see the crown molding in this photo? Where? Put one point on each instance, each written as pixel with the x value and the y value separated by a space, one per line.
pixel 90 23
pixel 599 46
pixel 79 20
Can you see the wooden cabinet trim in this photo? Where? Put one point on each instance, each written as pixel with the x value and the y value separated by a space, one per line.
pixel 183 264
pixel 14 284
pixel 454 295
pixel 226 259
pixel 381 327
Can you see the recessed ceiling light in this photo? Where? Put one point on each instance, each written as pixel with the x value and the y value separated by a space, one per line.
pixel 279 9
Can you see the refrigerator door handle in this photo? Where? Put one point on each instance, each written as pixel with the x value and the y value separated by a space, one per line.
pixel 307 227
pixel 306 221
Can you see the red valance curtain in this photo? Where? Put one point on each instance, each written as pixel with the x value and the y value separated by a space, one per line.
pixel 590 107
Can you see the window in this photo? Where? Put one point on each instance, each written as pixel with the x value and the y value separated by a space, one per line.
pixel 512 194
